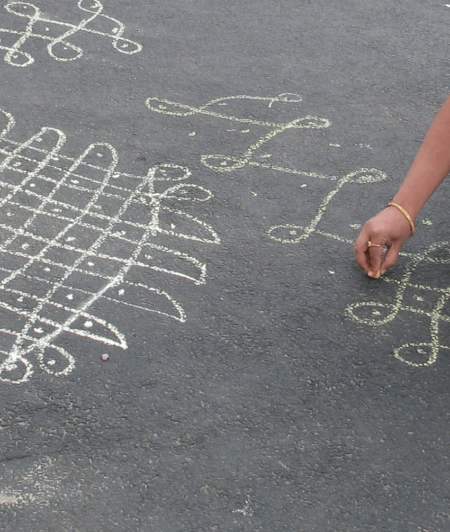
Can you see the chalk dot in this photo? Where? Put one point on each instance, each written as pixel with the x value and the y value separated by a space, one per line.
pixel 304 185
pixel 292 232
pixel 115 30
pixel 9 214
pixel 105 357
pixel 51 362
pixel 90 263
pixel 70 238
pixel 245 131
pixel 39 139
pixel 74 181
pixel 11 366
pixel 25 246
pixel 20 299
pixel 121 292
pixel 47 269
pixel 88 324
pixel 331 272
pixel 99 154
pixel 47 28
pixel 39 330
pixel 32 185
pixel 376 313
pixel 192 134
pixel 16 164
pixel 161 106
pixel 421 351
pixel 69 296
pixel 418 298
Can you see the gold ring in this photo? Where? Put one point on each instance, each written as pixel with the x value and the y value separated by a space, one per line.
pixel 372 245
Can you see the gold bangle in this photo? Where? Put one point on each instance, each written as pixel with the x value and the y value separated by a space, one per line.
pixel 406 214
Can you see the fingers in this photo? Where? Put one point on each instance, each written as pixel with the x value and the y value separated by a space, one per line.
pixel 360 251
pixel 378 245
pixel 376 253
pixel 391 257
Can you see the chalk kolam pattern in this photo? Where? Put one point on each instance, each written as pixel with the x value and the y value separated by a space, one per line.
pixel 378 314
pixel 58 34
pixel 75 232
pixel 371 313
pixel 430 302
pixel 226 163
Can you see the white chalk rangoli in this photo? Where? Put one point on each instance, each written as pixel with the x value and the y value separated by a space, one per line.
pixel 431 301
pixel 371 313
pixel 58 34
pixel 76 231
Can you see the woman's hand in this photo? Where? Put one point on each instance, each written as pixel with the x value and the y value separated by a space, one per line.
pixel 386 232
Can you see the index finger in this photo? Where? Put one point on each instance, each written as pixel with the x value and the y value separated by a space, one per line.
pixel 376 254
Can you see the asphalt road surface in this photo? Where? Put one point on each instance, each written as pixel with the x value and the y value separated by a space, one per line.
pixel 186 343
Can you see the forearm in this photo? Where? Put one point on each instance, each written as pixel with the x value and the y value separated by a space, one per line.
pixel 431 165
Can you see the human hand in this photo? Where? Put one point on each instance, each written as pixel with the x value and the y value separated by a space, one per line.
pixel 386 232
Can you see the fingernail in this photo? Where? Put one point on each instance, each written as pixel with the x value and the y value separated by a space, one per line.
pixel 377 275
pixel 370 273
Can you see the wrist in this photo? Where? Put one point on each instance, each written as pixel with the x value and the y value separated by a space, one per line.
pixel 409 201
pixel 412 210
pixel 405 213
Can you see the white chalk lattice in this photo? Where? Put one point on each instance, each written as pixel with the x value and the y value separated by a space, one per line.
pixel 75 232
pixel 58 34
pixel 372 313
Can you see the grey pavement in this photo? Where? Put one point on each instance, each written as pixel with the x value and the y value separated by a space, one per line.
pixel 186 343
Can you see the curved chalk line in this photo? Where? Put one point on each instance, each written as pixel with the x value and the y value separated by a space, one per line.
pixel 59 48
pixel 293 234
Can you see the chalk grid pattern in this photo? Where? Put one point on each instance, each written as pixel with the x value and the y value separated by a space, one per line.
pixel 58 34
pixel 73 231
pixel 374 314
